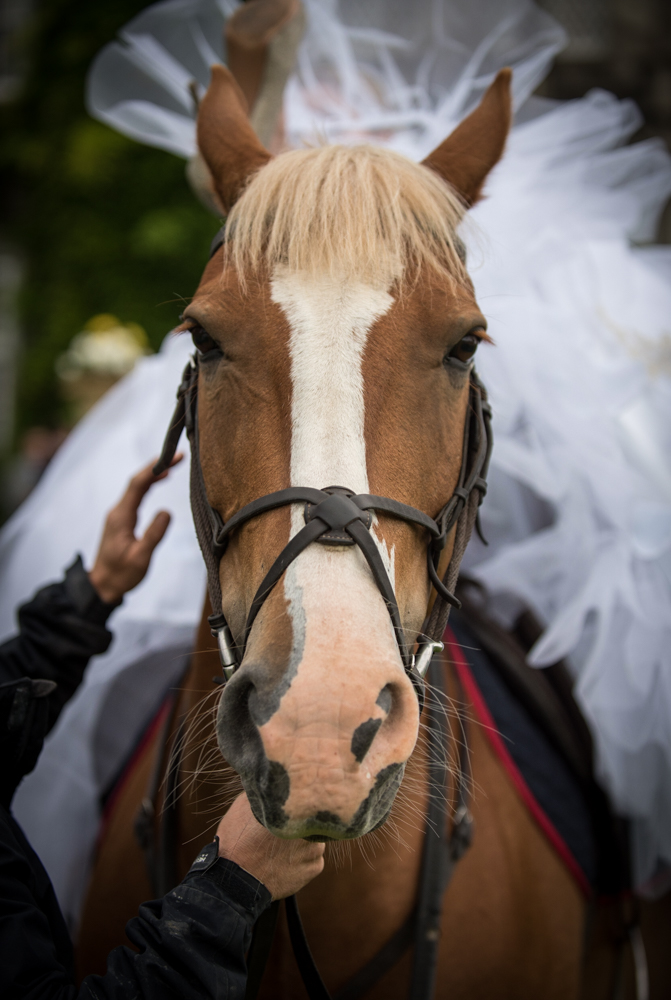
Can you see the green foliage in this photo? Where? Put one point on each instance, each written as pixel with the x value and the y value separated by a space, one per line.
pixel 103 224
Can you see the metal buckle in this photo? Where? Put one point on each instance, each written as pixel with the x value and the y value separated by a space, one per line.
pixel 222 633
pixel 425 653
pixel 462 832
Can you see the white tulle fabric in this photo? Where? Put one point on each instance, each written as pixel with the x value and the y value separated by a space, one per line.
pixel 59 803
pixel 579 510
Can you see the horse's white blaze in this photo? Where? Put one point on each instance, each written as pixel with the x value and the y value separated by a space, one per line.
pixel 340 623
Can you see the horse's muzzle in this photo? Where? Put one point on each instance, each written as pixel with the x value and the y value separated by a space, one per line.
pixel 321 774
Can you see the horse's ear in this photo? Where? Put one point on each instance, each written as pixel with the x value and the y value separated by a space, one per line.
pixel 226 140
pixel 469 153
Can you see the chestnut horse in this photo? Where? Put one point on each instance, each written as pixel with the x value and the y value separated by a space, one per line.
pixel 336 328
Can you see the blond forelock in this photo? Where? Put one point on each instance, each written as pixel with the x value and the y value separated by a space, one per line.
pixel 354 212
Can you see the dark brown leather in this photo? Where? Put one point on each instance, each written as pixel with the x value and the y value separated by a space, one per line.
pixel 343 512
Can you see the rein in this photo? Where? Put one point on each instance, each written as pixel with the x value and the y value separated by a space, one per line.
pixel 337 516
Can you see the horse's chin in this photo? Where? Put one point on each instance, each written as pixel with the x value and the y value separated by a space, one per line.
pixel 324 825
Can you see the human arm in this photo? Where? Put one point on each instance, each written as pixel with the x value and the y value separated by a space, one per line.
pixel 62 627
pixel 192 943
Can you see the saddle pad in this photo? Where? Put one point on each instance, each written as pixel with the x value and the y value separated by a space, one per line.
pixel 542 778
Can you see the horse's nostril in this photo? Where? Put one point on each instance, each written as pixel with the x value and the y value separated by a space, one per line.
pixel 384 699
pixel 363 737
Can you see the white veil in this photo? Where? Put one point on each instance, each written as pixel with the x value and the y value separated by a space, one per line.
pixel 424 65
pixel 579 509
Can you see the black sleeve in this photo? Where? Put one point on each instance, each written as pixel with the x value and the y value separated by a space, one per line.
pixel 191 944
pixel 59 631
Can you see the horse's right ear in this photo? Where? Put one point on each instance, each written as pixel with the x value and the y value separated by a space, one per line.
pixel 469 153
pixel 227 142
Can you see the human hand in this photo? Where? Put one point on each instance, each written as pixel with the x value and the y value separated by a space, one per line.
pixel 123 560
pixel 284 866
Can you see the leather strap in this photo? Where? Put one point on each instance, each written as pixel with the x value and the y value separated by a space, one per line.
pixel 397 509
pixel 331 512
pixel 365 541
pixel 440 853
pixel 259 951
pixel 272 501
pixel 476 453
pixel 306 964
pixel 306 494
pixel 177 422
pixel 218 240
pixel 334 516
pixel 145 818
pixel 380 964
pixel 310 533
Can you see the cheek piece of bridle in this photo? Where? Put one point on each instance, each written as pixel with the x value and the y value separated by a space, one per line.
pixel 338 517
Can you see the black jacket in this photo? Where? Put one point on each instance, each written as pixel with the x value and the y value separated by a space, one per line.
pixel 42 667
pixel 190 944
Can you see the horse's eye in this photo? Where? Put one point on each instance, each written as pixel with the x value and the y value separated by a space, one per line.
pixel 465 349
pixel 203 341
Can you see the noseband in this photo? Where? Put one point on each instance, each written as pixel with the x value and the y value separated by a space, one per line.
pixel 338 517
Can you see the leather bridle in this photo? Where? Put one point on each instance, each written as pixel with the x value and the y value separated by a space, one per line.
pixel 336 516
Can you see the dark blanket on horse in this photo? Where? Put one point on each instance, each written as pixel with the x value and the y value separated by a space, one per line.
pixel 538 770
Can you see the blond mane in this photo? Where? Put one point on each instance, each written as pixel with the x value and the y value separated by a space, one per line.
pixel 361 212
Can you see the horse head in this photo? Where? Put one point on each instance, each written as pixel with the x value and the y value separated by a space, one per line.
pixel 336 328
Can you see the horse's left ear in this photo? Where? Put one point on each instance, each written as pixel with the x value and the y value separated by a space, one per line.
pixel 227 142
pixel 469 153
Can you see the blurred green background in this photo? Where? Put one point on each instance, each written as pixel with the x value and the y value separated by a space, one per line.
pixel 95 223
pixel 98 222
